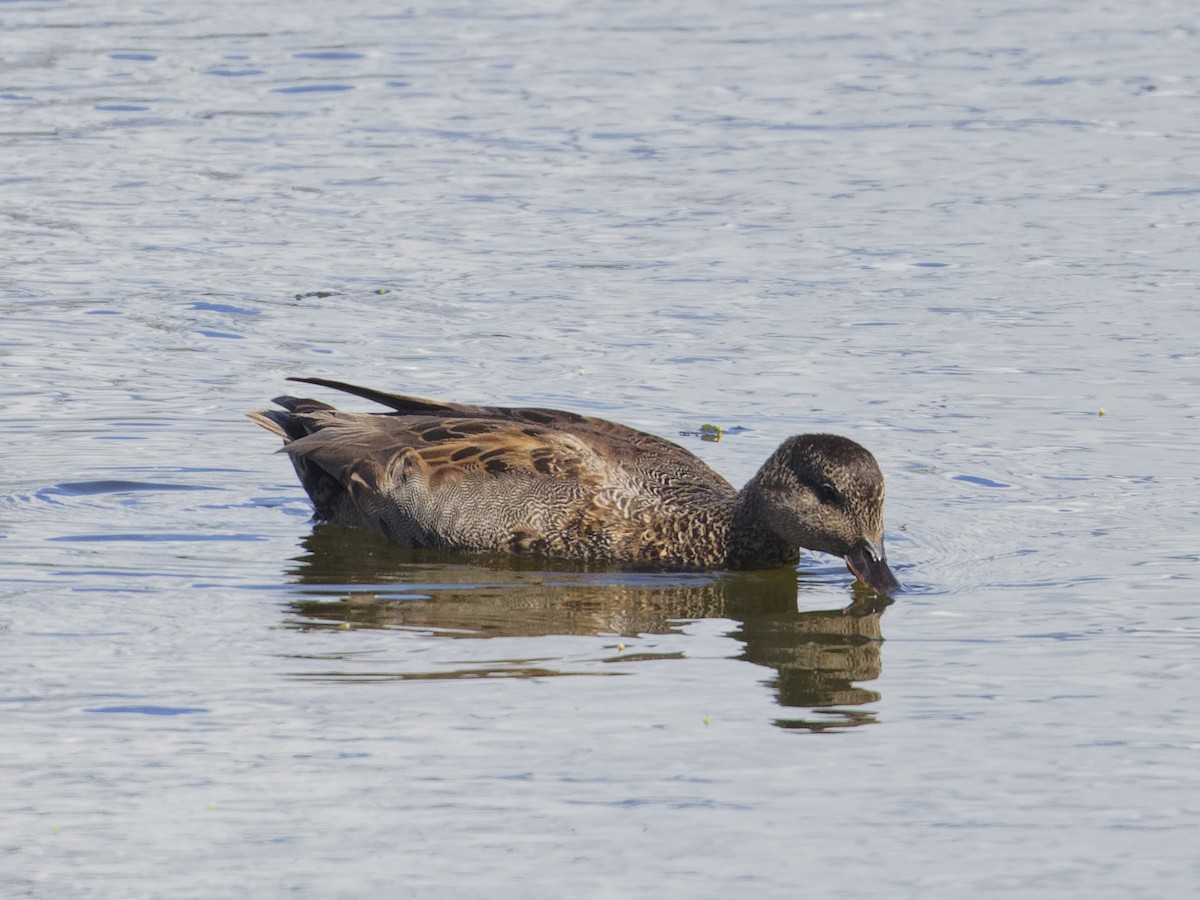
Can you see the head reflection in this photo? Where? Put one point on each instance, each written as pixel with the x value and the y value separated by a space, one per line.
pixel 819 658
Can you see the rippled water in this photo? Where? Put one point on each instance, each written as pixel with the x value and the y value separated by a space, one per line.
pixel 965 237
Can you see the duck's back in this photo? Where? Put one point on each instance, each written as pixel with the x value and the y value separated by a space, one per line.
pixel 501 479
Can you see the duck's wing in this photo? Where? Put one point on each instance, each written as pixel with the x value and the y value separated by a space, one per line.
pixel 661 468
pixel 384 451
pixel 455 483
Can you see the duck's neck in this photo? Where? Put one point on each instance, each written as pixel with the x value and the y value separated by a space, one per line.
pixel 749 543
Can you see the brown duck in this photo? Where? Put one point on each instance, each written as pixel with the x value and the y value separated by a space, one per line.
pixel 490 479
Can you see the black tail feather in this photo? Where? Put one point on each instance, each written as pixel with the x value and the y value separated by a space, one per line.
pixel 398 402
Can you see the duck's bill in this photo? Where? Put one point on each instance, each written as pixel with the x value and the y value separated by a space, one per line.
pixel 869 565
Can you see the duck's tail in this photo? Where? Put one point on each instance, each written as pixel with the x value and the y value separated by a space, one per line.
pixel 295 421
pixel 290 422
pixel 401 403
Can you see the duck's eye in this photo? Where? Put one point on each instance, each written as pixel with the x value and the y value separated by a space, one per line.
pixel 828 494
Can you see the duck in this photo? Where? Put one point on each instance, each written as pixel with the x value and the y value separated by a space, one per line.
pixel 549 483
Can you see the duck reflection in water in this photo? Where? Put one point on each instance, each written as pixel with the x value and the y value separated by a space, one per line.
pixel 819 657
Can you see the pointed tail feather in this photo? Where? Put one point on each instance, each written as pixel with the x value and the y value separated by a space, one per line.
pixel 398 402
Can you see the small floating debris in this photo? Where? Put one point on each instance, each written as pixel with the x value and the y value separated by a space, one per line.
pixel 1102 412
pixel 713 433
pixel 319 295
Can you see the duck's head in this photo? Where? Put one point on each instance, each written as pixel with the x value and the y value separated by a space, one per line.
pixel 825 492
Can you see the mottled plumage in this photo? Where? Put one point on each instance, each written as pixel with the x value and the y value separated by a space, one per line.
pixel 482 479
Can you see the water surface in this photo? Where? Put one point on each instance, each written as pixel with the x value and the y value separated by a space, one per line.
pixel 965 238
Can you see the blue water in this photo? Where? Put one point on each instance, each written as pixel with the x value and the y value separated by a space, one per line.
pixel 965 237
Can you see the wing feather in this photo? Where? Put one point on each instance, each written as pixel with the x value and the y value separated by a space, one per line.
pixel 459 484
pixel 663 468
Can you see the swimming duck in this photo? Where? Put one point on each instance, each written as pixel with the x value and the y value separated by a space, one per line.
pixel 490 479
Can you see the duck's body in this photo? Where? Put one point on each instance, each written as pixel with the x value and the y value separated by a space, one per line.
pixel 483 479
